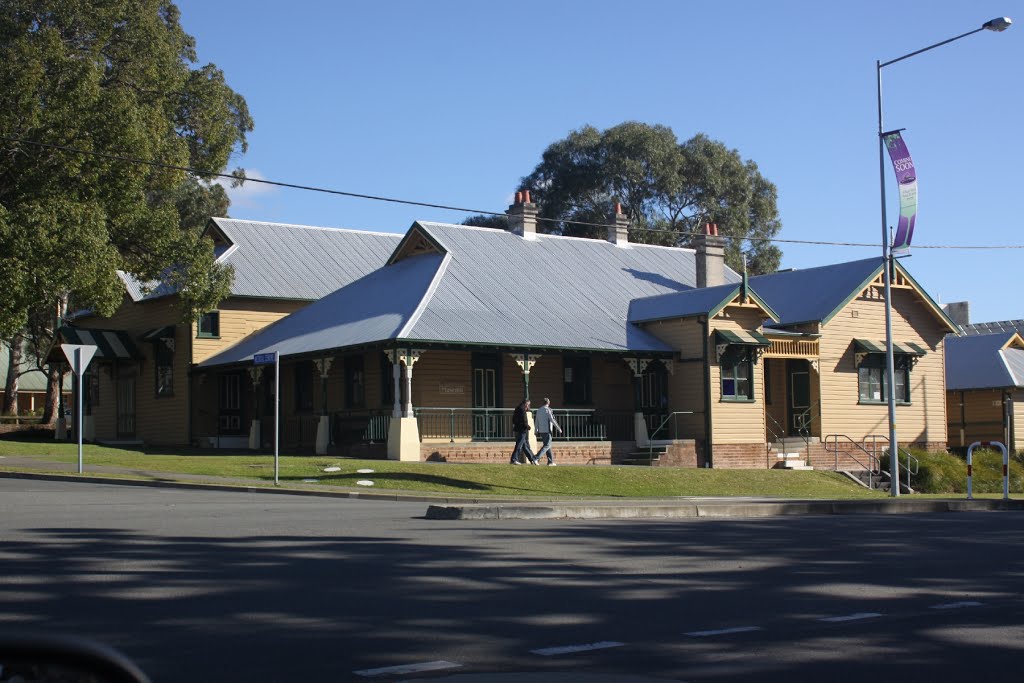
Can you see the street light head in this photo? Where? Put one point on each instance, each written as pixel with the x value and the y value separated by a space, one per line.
pixel 997 24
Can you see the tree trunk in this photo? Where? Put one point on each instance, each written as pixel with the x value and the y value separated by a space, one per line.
pixel 53 385
pixel 10 405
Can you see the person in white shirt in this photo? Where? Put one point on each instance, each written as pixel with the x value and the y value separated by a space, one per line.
pixel 545 423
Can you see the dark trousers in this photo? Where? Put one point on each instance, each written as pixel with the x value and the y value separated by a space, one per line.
pixel 523 445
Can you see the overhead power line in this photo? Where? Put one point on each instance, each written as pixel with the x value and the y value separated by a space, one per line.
pixel 447 207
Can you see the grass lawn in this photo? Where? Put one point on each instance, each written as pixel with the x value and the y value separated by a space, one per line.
pixel 447 479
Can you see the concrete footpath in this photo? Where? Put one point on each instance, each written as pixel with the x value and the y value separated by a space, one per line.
pixel 446 507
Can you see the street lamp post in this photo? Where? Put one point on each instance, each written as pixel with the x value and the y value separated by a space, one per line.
pixel 998 24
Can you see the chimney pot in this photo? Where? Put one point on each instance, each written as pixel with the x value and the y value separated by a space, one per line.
pixel 519 198
pixel 526 196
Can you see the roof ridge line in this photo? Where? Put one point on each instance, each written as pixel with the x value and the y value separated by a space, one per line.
pixel 307 227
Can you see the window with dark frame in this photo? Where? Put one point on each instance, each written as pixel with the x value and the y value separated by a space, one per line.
pixel 209 325
pixel 355 382
pixel 871 379
pixel 303 383
pixel 737 376
pixel 577 380
pixel 163 367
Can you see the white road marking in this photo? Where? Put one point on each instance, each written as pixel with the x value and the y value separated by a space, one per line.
pixel 408 668
pixel 852 617
pixel 957 605
pixel 724 631
pixel 569 649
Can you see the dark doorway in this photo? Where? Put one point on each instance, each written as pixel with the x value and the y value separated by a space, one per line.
pixel 486 395
pixel 798 385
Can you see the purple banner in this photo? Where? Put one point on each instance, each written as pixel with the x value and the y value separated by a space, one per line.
pixel 906 177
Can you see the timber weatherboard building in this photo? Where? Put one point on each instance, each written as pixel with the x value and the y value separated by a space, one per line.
pixel 141 377
pixel 425 357
pixel 419 346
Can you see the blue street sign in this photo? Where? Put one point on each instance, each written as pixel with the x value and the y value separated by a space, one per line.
pixel 264 358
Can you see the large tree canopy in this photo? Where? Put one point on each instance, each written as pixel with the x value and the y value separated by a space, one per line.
pixel 115 77
pixel 667 188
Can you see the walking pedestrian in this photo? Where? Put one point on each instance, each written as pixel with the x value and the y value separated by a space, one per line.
pixel 545 423
pixel 521 428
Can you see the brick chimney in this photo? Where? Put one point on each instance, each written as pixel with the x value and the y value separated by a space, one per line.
pixel 710 257
pixel 522 216
pixel 618 229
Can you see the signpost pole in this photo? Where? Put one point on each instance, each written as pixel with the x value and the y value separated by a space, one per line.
pixel 78 356
pixel 277 415
pixel 265 359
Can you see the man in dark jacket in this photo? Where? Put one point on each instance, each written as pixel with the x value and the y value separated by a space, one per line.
pixel 521 428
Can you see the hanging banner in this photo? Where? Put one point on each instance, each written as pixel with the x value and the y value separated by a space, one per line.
pixel 906 177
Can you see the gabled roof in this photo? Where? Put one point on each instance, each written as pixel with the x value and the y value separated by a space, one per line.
pixel 817 294
pixel 282 261
pixel 31 378
pixel 707 301
pixel 985 361
pixel 478 286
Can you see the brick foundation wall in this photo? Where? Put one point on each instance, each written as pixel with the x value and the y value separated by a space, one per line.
pixel 682 453
pixel 566 453
pixel 740 456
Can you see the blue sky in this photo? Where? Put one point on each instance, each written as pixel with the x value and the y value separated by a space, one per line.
pixel 452 102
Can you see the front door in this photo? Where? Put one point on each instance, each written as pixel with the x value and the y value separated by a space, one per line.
pixel 229 419
pixel 798 381
pixel 486 393
pixel 126 407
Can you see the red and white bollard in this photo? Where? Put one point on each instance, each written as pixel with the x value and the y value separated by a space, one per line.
pixel 1006 466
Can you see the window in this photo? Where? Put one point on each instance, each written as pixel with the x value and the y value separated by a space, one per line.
pixel 209 324
pixel 654 388
pixel 163 366
pixel 871 378
pixel 576 371
pixel 387 381
pixel 355 382
pixel 736 377
pixel 304 386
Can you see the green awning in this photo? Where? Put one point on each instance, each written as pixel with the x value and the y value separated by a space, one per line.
pixel 741 337
pixel 898 348
pixel 110 344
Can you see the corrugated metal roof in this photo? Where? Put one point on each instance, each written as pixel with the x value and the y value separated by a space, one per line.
pixel 990 328
pixel 978 361
pixel 550 291
pixel 491 288
pixel 372 309
pixel 680 304
pixel 283 261
pixel 812 294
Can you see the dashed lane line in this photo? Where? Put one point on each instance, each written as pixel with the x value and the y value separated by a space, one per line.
pixel 438 665
pixel 851 617
pixel 957 605
pixel 723 631
pixel 572 649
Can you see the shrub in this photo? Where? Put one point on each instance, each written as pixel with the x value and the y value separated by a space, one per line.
pixel 947 473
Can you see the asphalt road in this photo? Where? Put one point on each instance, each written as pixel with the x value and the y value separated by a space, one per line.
pixel 219 586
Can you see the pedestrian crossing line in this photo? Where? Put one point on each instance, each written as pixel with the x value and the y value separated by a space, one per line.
pixel 958 605
pixel 438 665
pixel 851 617
pixel 572 649
pixel 723 631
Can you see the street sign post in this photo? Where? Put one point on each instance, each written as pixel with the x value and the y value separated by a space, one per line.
pixel 267 359
pixel 78 356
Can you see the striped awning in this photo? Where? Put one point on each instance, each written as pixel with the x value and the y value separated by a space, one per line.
pixel 741 337
pixel 898 348
pixel 110 344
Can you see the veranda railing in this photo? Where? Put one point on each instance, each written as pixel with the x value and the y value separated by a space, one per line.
pixel 495 424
